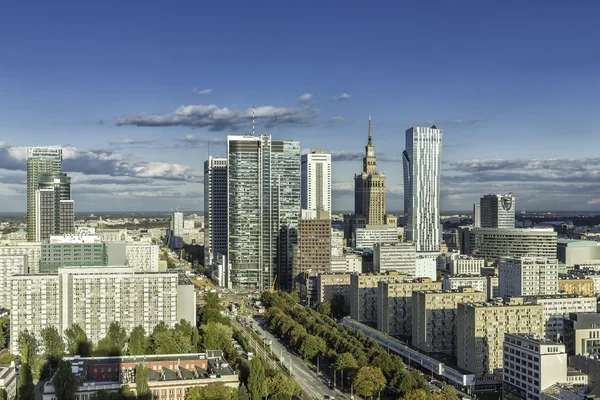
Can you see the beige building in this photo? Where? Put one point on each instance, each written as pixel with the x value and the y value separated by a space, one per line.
pixel 333 285
pixel 434 317
pixel 33 251
pixel 466 265
pixel 480 329
pixel 394 303
pixel 581 287
pixel 363 295
pixel 349 262
pixel 478 283
pixel 312 252
pixel 9 266
pixel 492 286
pixel 8 380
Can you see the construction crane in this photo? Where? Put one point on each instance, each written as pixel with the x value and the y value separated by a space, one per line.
pixel 273 284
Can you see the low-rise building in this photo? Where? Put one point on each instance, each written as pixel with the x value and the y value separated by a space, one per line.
pixel 573 252
pixel 492 286
pixel 365 238
pixel 582 333
pixel 581 287
pixel 466 265
pixel 394 257
pixel 8 380
pixel 479 283
pixel 347 263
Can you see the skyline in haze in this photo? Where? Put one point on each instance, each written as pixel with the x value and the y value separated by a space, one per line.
pixel 135 96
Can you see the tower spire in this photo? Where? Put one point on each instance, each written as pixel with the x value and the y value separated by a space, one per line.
pixel 252 120
pixel 370 133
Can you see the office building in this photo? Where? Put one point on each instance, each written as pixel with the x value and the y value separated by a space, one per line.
pixel 479 283
pixel 480 329
pixel 170 376
pixel 215 208
pixel 434 317
pixel 394 304
pixel 363 295
pixel 177 224
pixel 558 307
pixel 477 215
pixel 531 365
pixel 352 222
pixel 576 252
pixel 466 265
pixel 54 209
pixel 582 333
pixel 312 253
pixel 422 160
pixel 263 181
pixel 32 250
pixel 369 187
pixel 399 257
pixel 94 297
pixel 315 180
pixel 497 211
pixel 527 276
pixel 426 267
pixel 9 266
pixel 337 242
pixel 577 286
pixel 350 263
pixel 39 160
pixel 334 287
pixel 365 238
pixel 492 243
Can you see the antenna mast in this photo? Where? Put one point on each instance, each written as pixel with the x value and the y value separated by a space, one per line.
pixel 252 120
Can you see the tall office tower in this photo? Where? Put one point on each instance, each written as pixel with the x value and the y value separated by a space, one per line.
pixel 527 276
pixel 215 208
pixel 54 209
pixel 369 187
pixel 477 215
pixel 497 211
pixel 312 253
pixel 422 161
pixel 315 180
pixel 39 160
pixel 263 209
pixel 177 224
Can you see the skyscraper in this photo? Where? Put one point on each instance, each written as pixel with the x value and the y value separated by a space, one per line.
pixel 497 211
pixel 215 208
pixel 315 179
pixel 39 160
pixel 263 209
pixel 369 187
pixel 54 209
pixel 422 161
pixel 177 224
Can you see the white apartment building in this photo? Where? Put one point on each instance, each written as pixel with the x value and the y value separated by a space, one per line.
pixel 337 242
pixel 557 307
pixel 531 365
pixel 349 263
pixel 75 238
pixel 466 265
pixel 394 257
pixel 33 251
pixel 365 238
pixel 479 283
pixel 142 257
pixel 177 223
pixel 315 180
pixel 9 266
pixel 492 285
pixel 8 380
pixel 426 267
pixel 93 297
pixel 422 160
pixel 527 276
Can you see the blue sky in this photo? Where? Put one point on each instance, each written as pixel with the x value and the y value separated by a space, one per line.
pixel 135 90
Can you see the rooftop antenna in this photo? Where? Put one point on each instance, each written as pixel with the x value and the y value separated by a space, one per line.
pixel 252 120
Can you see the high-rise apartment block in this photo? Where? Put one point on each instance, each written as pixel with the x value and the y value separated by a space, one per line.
pixel 334 287
pixel 95 297
pixel 582 333
pixel 10 265
pixel 32 250
pixel 369 187
pixel 480 329
pixel 142 257
pixel 399 257
pixel 315 178
pixel 434 317
pixel 363 295
pixel 54 209
pixel 39 160
pixel 215 208
pixel 497 211
pixel 337 242
pixel 394 306
pixel 177 224
pixel 527 276
pixel 312 253
pixel 349 262
pixel 531 365
pixel 263 181
pixel 422 160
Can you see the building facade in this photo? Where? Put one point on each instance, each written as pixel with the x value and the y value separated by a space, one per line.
pixel 466 265
pixel 422 161
pixel 312 253
pixel 32 250
pixel 394 257
pixel 582 333
pixel 347 263
pixel 365 238
pixel 363 295
pixel 315 178
pixel 142 257
pixel 54 209
pixel 479 283
pixel 215 208
pixel 9 266
pixel 334 287
pixel 578 286
pixel 527 276
pixel 497 211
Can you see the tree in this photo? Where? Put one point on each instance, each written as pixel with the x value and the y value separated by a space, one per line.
pixel 369 381
pixel 114 342
pixel 25 389
pixel 212 391
pixel 54 347
pixel 27 346
pixel 215 336
pixel 383 361
pixel 127 393
pixel 141 382
pixel 448 393
pixel 343 362
pixel 417 394
pixel 183 330
pixel 338 305
pixel 3 394
pixel 282 387
pixel 257 382
pixel 311 347
pixel 325 308
pixel 77 341
pixel 7 358
pixel 138 341
pixel 65 383
pixel 243 393
pixel 403 383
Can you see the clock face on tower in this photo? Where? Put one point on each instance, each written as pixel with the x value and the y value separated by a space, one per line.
pixel 371 153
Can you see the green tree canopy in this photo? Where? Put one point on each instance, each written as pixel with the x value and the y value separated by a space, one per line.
pixel 141 382
pixel 27 346
pixel 215 336
pixel 114 342
pixel 65 383
pixel 448 393
pixel 325 308
pixel 25 388
pixel 212 391
pixel 54 347
pixel 138 341
pixel 283 388
pixel 311 347
pixel 369 381
pixel 257 382
pixel 7 358
pixel 77 341
pixel 417 394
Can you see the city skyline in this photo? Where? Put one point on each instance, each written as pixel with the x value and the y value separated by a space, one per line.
pixel 139 109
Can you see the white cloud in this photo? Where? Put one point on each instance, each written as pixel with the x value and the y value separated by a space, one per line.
pixel 336 118
pixel 594 201
pixel 343 96
pixel 305 98
pixel 130 141
pixel 205 91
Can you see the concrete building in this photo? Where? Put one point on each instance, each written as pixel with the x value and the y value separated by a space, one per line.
pixel 363 295
pixel 422 161
pixel 263 179
pixel 315 180
pixel 480 333
pixel 336 286
pixel 39 160
pixel 8 380
pixel 141 256
pixel 577 252
pixel 557 307
pixel 365 238
pixel 394 257
pixel 492 286
pixel 369 187
pixel 170 376
pixel 578 286
pixel 177 224
pixel 312 253
pixel 77 250
pixel 582 333
pixel 479 283
pixel 434 317
pixel 54 209
pixel 9 266
pixel 466 265
pixel 337 242
pixel 94 297
pixel 32 250
pixel 531 365
pixel 426 267
pixel 527 276
pixel 477 215
pixel 394 304
pixel 492 243
pixel 350 263
pixel 497 211
pixel 215 208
